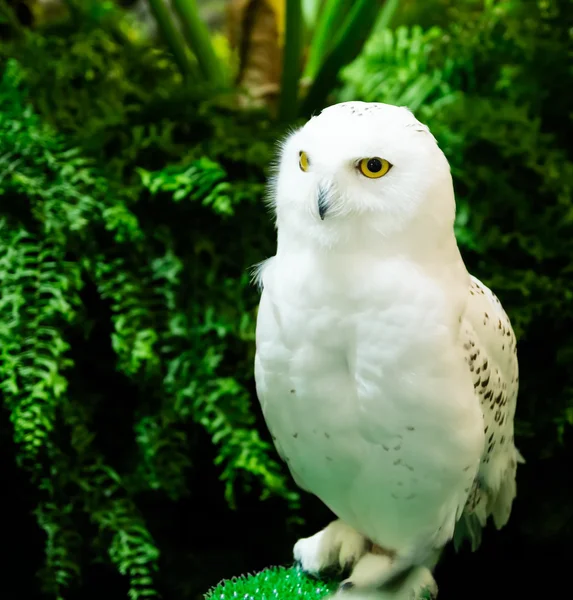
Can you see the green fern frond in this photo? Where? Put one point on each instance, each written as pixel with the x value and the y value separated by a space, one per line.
pixel 222 407
pixel 63 543
pixel 202 180
pixel 165 453
pixel 397 67
pixel 105 496
pixel 132 303
pixel 39 294
pixel 131 547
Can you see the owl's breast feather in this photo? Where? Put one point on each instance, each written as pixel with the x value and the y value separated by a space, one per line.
pixel 366 395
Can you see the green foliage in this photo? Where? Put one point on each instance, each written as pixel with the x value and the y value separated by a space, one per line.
pixel 55 197
pixel 291 60
pixel 400 70
pixel 104 83
pixel 341 30
pixel 125 247
pixel 198 38
pixel 201 180
pixel 334 34
pixel 173 37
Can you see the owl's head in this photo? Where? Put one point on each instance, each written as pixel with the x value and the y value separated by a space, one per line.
pixel 361 169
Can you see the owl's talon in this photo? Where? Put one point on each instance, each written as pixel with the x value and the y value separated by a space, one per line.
pixel 371 571
pixel 334 550
pixel 419 584
pixel 429 594
pixel 346 585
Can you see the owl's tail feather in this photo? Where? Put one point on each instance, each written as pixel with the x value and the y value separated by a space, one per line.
pixel 468 528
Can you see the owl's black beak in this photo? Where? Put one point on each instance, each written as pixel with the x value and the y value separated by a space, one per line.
pixel 323 202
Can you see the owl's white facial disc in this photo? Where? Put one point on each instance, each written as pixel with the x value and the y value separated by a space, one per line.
pixel 362 166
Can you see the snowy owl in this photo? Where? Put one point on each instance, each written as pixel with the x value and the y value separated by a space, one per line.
pixel 386 373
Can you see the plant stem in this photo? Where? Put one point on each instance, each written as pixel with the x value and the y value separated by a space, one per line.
pixel 199 40
pixel 328 22
pixel 288 106
pixel 311 11
pixel 172 36
pixel 386 14
pixel 346 47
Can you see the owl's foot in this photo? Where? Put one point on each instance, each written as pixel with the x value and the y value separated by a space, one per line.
pixel 370 572
pixel 365 583
pixel 336 548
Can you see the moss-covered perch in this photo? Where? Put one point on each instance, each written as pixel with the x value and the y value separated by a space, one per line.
pixel 274 583
pixel 277 583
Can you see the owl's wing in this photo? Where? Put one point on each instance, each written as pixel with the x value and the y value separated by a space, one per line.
pixel 266 318
pixel 490 346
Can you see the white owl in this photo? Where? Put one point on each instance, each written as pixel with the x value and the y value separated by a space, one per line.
pixel 387 374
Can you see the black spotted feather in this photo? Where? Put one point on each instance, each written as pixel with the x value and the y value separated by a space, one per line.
pixel 489 344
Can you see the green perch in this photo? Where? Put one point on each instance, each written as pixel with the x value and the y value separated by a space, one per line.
pixel 275 583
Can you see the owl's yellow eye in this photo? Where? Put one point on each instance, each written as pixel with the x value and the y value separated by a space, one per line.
pixel 303 161
pixel 374 167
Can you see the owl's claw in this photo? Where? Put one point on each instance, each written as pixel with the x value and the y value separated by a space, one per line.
pixel 421 585
pixel 369 581
pixel 370 572
pixel 334 550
